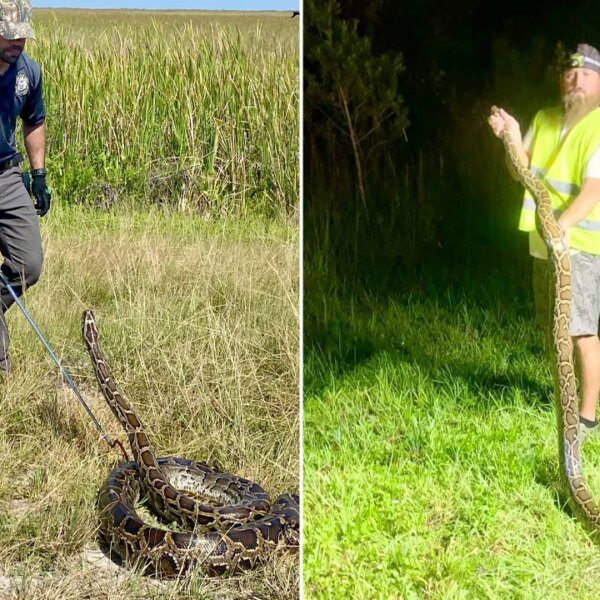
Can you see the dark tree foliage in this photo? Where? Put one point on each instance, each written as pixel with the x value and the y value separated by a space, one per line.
pixel 438 191
pixel 351 92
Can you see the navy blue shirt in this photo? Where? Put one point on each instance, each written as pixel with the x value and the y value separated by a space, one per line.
pixel 20 95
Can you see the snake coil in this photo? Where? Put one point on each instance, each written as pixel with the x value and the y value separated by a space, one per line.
pixel 227 521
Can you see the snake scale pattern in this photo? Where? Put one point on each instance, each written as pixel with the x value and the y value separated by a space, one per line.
pixel 226 522
pixel 567 402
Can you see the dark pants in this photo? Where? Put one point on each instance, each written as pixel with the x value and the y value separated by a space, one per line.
pixel 20 244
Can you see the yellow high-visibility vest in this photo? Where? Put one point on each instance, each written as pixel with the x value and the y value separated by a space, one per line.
pixel 561 165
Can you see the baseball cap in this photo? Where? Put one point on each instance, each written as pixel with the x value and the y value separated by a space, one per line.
pixel 15 19
pixel 586 57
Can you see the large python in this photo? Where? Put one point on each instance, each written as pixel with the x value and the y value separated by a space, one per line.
pixel 567 401
pixel 227 521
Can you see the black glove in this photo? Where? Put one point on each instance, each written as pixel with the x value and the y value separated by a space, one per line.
pixel 40 191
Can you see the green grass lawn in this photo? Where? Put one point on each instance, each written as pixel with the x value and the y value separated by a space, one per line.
pixel 431 463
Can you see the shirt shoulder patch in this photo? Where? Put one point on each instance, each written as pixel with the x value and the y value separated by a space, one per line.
pixel 22 84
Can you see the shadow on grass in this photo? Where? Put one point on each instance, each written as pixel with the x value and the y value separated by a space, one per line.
pixel 59 421
pixel 108 552
pixel 548 475
pixel 362 330
pixel 533 391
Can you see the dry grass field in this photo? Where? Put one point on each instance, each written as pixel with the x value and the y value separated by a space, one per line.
pixel 173 156
pixel 200 324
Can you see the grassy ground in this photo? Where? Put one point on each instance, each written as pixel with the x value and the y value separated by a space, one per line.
pixel 200 323
pixel 431 465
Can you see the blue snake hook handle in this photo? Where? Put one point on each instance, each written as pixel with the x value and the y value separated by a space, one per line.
pixel 64 373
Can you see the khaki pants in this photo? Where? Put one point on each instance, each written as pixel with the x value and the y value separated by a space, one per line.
pixel 585 288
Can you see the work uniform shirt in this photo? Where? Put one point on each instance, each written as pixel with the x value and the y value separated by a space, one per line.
pixel 20 95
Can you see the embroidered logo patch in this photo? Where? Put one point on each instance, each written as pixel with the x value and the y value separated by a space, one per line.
pixel 22 84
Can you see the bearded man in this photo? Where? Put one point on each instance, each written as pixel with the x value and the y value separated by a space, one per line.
pixel 20 96
pixel 562 148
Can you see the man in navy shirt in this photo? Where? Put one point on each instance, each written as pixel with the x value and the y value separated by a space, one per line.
pixel 20 95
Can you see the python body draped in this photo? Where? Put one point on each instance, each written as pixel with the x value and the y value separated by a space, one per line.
pixel 227 521
pixel 567 401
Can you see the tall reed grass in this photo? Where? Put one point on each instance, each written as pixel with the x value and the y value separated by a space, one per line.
pixel 191 110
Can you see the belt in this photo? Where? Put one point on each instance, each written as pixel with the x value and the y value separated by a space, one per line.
pixel 11 162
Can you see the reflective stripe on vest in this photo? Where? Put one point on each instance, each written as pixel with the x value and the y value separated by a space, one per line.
pixel 560 165
pixel 587 224
pixel 562 187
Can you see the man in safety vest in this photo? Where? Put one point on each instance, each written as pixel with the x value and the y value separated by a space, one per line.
pixel 562 148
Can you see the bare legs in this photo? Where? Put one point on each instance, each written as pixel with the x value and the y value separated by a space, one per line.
pixel 587 349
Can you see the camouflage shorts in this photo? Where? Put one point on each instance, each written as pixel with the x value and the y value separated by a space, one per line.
pixel 585 310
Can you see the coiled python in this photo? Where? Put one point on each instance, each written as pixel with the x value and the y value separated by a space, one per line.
pixel 235 527
pixel 567 401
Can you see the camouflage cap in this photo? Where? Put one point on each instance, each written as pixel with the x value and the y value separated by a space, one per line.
pixel 15 19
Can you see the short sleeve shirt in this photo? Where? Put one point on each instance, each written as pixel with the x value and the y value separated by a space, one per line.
pixel 20 95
